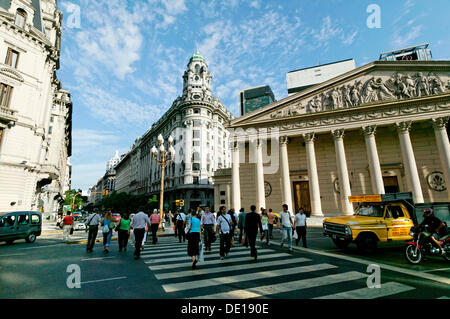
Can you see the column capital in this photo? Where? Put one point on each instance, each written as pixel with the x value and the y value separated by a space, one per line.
pixel 309 137
pixel 403 127
pixel 440 122
pixel 188 123
pixel 284 140
pixel 338 134
pixel 369 130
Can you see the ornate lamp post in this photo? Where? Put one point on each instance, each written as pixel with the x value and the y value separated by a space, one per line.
pixel 163 157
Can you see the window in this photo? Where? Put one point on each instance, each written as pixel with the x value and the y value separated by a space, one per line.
pixel 35 220
pixel 50 129
pixel 23 220
pixel 196 133
pixel 196 180
pixel 222 201
pixel 196 111
pixel 196 167
pixel 8 221
pixel 370 211
pixel 394 212
pixel 52 119
pixel 5 94
pixel 197 123
pixel 196 156
pixel 12 57
pixel 21 17
pixel 196 143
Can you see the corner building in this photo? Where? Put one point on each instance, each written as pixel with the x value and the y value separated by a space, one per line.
pixel 381 128
pixel 35 112
pixel 197 122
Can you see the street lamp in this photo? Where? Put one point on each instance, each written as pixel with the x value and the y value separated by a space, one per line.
pixel 163 157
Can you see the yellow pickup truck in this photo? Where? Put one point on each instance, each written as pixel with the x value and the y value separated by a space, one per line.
pixel 378 218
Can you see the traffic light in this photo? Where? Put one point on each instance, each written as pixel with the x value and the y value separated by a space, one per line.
pixel 181 202
pixel 105 192
pixel 177 202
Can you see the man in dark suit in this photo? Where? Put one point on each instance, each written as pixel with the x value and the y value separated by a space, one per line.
pixel 252 223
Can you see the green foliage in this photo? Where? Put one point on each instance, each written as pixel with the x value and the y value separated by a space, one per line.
pixel 79 200
pixel 127 203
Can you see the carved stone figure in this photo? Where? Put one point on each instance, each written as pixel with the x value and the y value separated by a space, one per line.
pixel 422 85
pixel 346 99
pixel 383 91
pixel 334 99
pixel 369 92
pixel 355 95
pixel 436 85
pixel 314 105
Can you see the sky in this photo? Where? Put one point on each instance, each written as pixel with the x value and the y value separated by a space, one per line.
pixel 123 61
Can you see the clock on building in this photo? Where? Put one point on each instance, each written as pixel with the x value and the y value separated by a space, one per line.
pixel 267 189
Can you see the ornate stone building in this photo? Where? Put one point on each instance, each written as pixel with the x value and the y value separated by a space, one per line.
pixel 196 121
pixel 377 129
pixel 35 113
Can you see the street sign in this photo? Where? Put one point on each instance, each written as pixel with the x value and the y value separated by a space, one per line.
pixel 365 198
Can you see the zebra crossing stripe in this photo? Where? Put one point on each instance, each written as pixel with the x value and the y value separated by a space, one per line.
pixel 286 287
pixel 213 262
pixel 244 277
pixel 183 258
pixel 198 272
pixel 171 253
pixel 387 289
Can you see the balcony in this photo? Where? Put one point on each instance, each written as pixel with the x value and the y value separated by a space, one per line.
pixel 7 115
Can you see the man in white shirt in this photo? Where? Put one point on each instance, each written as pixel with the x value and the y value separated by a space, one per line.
pixel 286 226
pixel 138 224
pixel 224 225
pixel 180 220
pixel 92 223
pixel 300 226
pixel 207 224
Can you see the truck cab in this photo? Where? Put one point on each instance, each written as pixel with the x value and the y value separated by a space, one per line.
pixel 378 218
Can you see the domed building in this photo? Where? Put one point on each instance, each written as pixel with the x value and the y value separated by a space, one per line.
pixel 197 123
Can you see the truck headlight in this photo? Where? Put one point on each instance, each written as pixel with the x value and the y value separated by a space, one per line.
pixel 348 231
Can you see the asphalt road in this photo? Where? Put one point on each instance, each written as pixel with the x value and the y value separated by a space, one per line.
pixel 39 270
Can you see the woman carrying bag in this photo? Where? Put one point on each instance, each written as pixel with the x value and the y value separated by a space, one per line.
pixel 193 237
pixel 265 226
pixel 108 226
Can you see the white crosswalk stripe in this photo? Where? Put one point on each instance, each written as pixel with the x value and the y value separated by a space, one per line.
pixel 207 257
pixel 245 277
pixel 387 289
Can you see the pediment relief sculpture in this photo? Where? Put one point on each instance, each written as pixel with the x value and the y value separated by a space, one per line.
pixel 368 90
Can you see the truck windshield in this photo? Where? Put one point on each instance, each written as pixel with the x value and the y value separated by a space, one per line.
pixel 370 210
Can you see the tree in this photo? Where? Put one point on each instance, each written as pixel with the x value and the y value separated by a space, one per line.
pixel 79 200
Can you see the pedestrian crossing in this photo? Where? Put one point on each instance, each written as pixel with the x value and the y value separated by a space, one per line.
pixel 274 275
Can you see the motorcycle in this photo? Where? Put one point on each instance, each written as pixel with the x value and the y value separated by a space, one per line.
pixel 422 245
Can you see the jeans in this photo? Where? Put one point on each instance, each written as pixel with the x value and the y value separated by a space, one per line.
pixel 301 233
pixel 123 239
pixel 93 231
pixel 270 231
pixel 251 240
pixel 287 234
pixel 208 234
pixel 154 229
pixel 107 238
pixel 138 236
pixel 241 233
pixel 180 230
pixel 265 234
pixel 225 244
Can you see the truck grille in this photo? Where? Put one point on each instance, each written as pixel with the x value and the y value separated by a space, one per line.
pixel 334 228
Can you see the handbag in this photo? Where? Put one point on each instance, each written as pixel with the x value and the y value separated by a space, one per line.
pixel 201 256
pixel 71 231
pixel 244 240
pixel 295 236
pixel 265 227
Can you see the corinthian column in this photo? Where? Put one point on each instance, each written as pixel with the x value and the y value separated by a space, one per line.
pixel 409 161
pixel 314 189
pixel 443 144
pixel 285 178
pixel 260 193
pixel 236 185
pixel 376 176
pixel 188 179
pixel 344 180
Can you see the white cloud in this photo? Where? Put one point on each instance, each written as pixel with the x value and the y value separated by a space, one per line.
pixel 174 6
pixel 403 39
pixel 255 4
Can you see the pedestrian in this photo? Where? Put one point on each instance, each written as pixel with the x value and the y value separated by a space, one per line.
pixel 286 226
pixel 92 227
pixel 108 226
pixel 300 226
pixel 155 219
pixel 140 220
pixel 252 224
pixel 124 231
pixel 174 221
pixel 68 227
pixel 224 225
pixel 179 226
pixel 265 226
pixel 193 237
pixel 271 217
pixel 207 224
pixel 241 223
pixel 233 224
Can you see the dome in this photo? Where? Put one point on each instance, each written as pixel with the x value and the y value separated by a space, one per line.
pixel 197 57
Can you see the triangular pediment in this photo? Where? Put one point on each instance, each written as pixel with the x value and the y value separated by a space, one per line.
pixel 375 83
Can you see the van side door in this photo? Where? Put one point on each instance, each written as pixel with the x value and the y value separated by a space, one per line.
pixel 23 224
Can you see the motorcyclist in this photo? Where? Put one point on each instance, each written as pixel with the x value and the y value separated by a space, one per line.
pixel 435 225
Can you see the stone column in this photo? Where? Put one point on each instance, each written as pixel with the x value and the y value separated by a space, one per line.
pixel 314 189
pixel 376 176
pixel 260 192
pixel 443 144
pixel 409 161
pixel 344 181
pixel 188 153
pixel 285 174
pixel 236 185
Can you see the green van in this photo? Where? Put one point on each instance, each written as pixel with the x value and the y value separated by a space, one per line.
pixel 20 225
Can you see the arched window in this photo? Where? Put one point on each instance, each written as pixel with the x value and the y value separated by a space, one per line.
pixel 196 156
pixel 21 18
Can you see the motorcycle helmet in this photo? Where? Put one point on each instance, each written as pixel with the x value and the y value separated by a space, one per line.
pixel 427 211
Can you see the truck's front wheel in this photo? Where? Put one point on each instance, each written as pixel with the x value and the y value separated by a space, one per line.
pixel 367 244
pixel 341 243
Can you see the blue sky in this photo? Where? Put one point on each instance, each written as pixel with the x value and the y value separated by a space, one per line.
pixel 124 63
